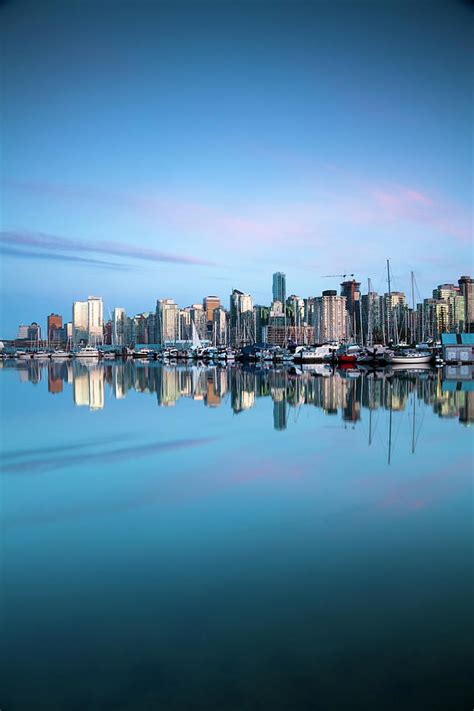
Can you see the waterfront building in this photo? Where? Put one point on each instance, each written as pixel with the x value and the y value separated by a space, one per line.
pixel 295 310
pixel 198 317
pixel 309 310
pixel 209 304
pixel 372 318
pixel 80 321
pixel 118 326
pixel 141 327
pixel 219 326
pixel 55 321
pixel 330 317
pixel 466 288
pixel 261 316
pixel 242 326
pixel 395 314
pixel 167 321
pixel 185 329
pixel 351 291
pixel 34 332
pixel 451 295
pixel 22 331
pixel 151 327
pixel 279 287
pixel 95 316
pixel 275 332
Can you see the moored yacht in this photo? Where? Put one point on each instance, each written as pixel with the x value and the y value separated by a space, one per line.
pixel 348 353
pixel 87 352
pixel 410 356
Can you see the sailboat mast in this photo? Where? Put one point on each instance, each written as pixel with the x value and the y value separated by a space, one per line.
pixel 389 305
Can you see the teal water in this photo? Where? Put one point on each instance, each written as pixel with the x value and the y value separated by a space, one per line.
pixel 212 538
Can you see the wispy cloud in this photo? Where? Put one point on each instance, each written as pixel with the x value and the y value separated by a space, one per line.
pixel 30 254
pixel 52 247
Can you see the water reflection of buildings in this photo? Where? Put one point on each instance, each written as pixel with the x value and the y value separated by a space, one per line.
pixel 88 387
pixel 449 393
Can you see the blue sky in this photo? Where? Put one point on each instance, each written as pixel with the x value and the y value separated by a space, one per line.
pixel 181 149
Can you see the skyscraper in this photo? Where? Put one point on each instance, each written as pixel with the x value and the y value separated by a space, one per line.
pixel 167 321
pixel 80 321
pixel 209 304
pixel 54 322
pixel 242 327
pixel 330 317
pixel 279 287
pixel 351 290
pixel 466 287
pixel 118 326
pixel 95 315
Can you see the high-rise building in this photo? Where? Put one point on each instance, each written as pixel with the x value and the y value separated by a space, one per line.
pixel 54 322
pixel 261 315
pixel 372 318
pixel 279 287
pixel 219 326
pixel 80 321
pixel 466 288
pixel 95 316
pixel 22 331
pixel 451 308
pixel 34 332
pixel 198 317
pixel 167 321
pixel 276 331
pixel 209 304
pixel 351 290
pixel 242 326
pixel 118 326
pixel 330 317
pixel 295 310
pixel 395 314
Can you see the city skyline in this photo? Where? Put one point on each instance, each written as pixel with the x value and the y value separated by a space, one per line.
pixel 218 145
pixel 350 314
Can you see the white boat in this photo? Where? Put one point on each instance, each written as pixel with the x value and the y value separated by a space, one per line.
pixel 41 355
pixel 410 357
pixel 23 355
pixel 109 355
pixel 87 352
pixel 316 354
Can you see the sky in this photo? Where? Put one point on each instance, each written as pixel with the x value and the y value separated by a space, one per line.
pixel 182 149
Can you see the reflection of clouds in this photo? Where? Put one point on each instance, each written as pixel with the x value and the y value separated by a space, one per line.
pixel 190 487
pixel 419 492
pixel 71 446
pixel 36 466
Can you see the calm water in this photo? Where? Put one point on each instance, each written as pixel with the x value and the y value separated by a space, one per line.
pixel 208 538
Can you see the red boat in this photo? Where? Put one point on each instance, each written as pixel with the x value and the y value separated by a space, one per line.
pixel 348 354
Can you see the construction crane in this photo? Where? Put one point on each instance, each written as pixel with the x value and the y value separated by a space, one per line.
pixel 333 276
